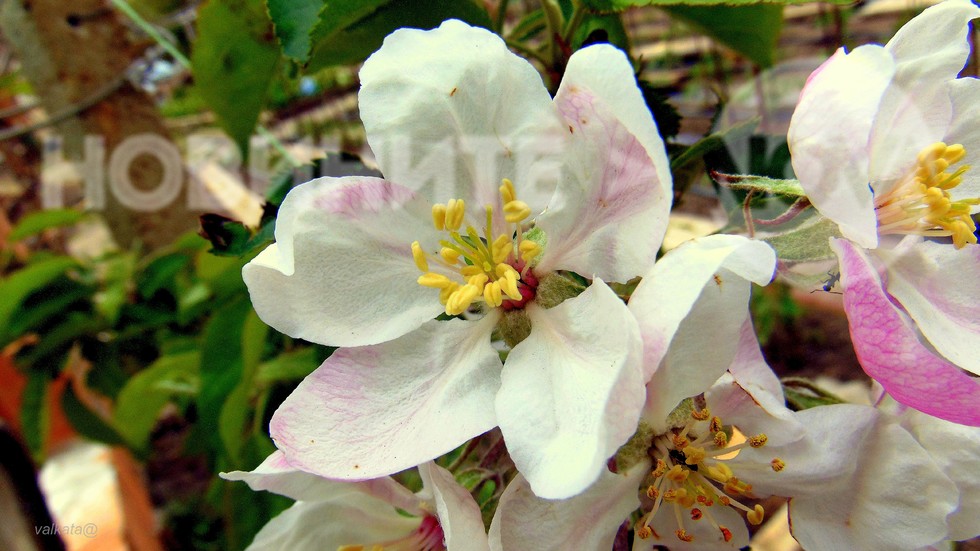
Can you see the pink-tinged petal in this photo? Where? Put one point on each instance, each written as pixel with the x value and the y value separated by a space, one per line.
pixel 897 499
pixel 706 536
pixel 609 214
pixel 965 129
pixel 350 519
pixel 276 475
pixel 938 286
pixel 590 520
pixel 915 110
pixel 459 515
pixel 376 410
pixel 956 448
pixel 451 111
pixel 701 284
pixel 608 75
pixel 571 392
pixel 749 366
pixel 829 133
pixel 341 271
pixel 889 349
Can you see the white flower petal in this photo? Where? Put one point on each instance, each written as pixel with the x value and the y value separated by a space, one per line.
pixel 965 129
pixel 341 271
pixel 590 520
pixel 829 133
pixel 749 366
pixel 349 520
pixel 609 214
pixel 571 392
pixel 459 515
pixel 938 285
pixel 956 448
pixel 376 410
pixel 451 111
pixel 703 283
pixel 897 499
pixel 753 411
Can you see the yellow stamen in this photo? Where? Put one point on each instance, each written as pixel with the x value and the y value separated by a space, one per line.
pixel 434 280
pixel 529 250
pixel 439 216
pixel 677 474
pixel 419 256
pixel 507 191
pixel 455 211
pixel 694 455
pixel 758 440
pixel 777 464
pixel 683 535
pixel 449 255
pixel 492 294
pixel 756 515
pixel 516 211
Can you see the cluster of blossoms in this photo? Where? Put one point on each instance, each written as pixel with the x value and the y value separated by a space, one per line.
pixel 506 274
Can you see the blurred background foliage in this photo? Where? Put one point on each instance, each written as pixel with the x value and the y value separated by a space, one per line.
pixel 136 330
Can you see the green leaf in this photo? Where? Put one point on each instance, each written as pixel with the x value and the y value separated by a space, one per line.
pixel 233 63
pixel 348 32
pixel 159 274
pixel 18 286
pixel 760 184
pixel 85 422
pixel 36 222
pixel 290 366
pixel 293 21
pixel 750 30
pixel 604 6
pixel 145 394
pixel 810 241
pixel 35 412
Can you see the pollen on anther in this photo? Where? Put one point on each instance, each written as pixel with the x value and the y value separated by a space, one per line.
pixel 696 514
pixel 777 464
pixel 726 534
pixel 758 440
pixel 756 515
pixel 644 532
pixel 683 535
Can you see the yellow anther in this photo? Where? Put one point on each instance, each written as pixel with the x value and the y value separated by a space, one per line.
pixel 683 535
pixel 434 280
pixel 756 515
pixel 725 500
pixel 502 247
pixel 478 280
pixel 529 249
pixel 508 284
pixel 455 211
pixel 492 294
pixel 677 474
pixel 470 271
pixel 507 191
pixel 652 492
pixel 644 532
pixel 680 441
pixel 715 425
pixel 701 414
pixel 516 211
pixel 660 469
pixel 439 216
pixel 446 292
pixel 460 300
pixel 721 439
pixel 718 472
pixel 954 153
pixel 419 256
pixel 735 486
pixel 675 494
pixel 758 440
pixel 931 152
pixel 777 464
pixel 693 455
pixel 449 255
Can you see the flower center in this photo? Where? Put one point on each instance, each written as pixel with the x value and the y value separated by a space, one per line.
pixel 428 537
pixel 692 477
pixel 920 203
pixel 479 267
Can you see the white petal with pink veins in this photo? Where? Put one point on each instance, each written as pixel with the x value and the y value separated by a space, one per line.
pixel 377 410
pixel 889 349
pixel 341 271
pixel 459 515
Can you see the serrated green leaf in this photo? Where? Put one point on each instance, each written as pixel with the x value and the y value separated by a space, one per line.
pixel 293 21
pixel 810 241
pixel 19 285
pixel 145 394
pixel 348 32
pixel 760 184
pixel 233 62
pixel 750 29
pixel 36 222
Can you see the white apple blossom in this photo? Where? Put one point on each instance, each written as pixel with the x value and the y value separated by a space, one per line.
pixel 345 268
pixel 359 516
pixel 882 142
